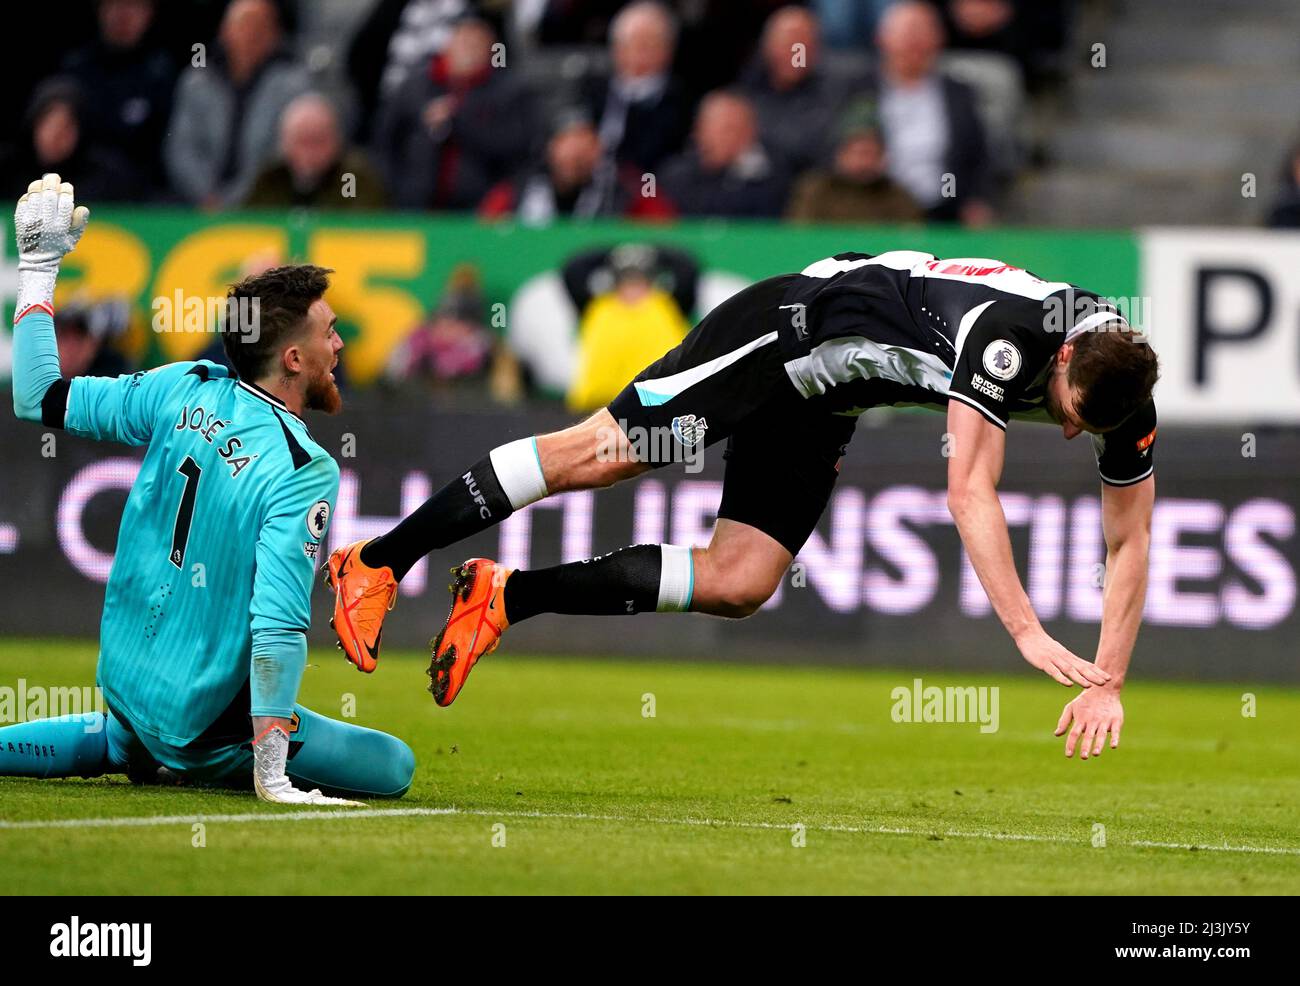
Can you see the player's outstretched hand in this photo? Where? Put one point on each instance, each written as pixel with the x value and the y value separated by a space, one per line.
pixel 1058 662
pixel 1095 713
pixel 270 754
pixel 48 224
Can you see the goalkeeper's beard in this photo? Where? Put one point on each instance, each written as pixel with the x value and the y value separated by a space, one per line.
pixel 322 393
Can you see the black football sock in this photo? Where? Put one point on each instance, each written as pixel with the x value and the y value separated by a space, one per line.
pixel 639 579
pixel 509 478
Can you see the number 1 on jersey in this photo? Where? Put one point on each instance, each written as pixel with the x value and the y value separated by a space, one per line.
pixel 185 512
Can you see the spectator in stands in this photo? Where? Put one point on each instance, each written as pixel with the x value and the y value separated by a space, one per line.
pixel 849 23
pixel 454 349
pixel 566 22
pixel 716 40
pixel 86 334
pixel 576 180
pixel 727 171
pixel 933 135
pixel 52 139
pixel 796 102
pixel 316 168
pixel 1030 32
pixel 982 25
pixel 455 130
pixel 858 188
pixel 224 125
pixel 632 302
pixel 642 113
pixel 20 76
pixel 177 26
pixel 398 39
pixel 126 84
pixel 1285 213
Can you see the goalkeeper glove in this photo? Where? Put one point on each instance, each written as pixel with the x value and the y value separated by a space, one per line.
pixel 270 754
pixel 48 224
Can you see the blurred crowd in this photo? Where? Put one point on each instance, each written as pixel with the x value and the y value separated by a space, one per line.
pixel 897 111
pixel 851 110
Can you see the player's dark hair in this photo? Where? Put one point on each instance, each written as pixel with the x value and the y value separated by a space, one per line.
pixel 1115 371
pixel 264 311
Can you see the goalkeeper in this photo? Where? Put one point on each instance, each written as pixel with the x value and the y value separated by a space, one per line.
pixel 203 640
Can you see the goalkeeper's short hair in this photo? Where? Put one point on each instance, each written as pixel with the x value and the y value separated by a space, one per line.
pixel 266 311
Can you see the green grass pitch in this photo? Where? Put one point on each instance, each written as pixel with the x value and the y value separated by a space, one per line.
pixel 556 759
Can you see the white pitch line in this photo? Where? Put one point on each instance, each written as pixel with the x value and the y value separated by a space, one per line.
pixel 153 821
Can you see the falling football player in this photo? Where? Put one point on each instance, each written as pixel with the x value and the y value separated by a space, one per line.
pixel 203 640
pixel 781 370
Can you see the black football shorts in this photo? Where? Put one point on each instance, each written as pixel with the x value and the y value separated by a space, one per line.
pixel 727 379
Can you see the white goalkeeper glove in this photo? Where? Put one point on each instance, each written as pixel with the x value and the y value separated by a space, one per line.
pixel 270 754
pixel 48 224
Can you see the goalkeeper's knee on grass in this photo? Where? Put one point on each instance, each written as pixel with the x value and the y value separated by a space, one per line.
pixel 342 757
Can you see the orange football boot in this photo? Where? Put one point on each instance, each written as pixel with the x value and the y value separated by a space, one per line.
pixel 474 626
pixel 362 598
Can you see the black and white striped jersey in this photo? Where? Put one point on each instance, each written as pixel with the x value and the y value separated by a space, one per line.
pixel 906 328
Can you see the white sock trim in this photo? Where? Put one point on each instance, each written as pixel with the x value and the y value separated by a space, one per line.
pixel 676 579
pixel 519 471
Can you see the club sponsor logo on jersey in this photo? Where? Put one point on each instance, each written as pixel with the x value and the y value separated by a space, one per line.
pixel 689 430
pixel 1002 359
pixel 975 269
pixel 318 519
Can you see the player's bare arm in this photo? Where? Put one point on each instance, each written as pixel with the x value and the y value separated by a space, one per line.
pixel 974 469
pixel 1126 523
